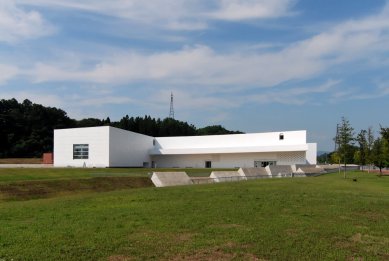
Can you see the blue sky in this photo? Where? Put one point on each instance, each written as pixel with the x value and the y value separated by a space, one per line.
pixel 249 65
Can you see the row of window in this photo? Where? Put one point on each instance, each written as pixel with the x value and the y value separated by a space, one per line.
pixel 257 164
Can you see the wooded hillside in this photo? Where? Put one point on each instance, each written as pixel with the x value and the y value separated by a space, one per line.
pixel 26 129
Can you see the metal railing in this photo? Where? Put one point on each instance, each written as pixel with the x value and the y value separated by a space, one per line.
pixel 244 178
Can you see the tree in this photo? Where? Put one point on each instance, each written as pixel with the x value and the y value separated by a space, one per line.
pixel 215 130
pixel 345 139
pixel 381 153
pixel 358 158
pixel 360 154
pixel 384 133
pixel 335 158
pixel 370 142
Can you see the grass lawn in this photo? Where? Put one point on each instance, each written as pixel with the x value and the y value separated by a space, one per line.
pixel 321 218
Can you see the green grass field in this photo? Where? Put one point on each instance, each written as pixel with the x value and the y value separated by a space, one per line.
pixel 321 218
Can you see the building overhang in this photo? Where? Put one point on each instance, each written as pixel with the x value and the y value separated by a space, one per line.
pixel 227 150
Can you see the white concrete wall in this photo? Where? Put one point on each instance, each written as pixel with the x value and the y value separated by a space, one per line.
pixel 233 140
pixel 128 149
pixel 312 153
pixel 291 158
pixel 218 160
pixel 96 137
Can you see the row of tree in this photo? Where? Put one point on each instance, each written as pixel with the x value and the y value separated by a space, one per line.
pixel 362 148
pixel 26 129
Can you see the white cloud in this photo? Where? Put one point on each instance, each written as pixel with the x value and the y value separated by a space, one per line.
pixel 104 100
pixel 293 96
pixel 190 100
pixel 7 72
pixel 175 14
pixel 192 65
pixel 382 90
pixel 17 24
pixel 235 10
pixel 356 40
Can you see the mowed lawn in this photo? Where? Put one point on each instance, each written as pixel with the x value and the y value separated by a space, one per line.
pixel 321 218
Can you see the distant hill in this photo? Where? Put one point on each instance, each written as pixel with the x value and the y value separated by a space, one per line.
pixel 321 152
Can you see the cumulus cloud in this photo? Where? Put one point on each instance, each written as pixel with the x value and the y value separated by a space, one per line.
pixel 350 41
pixel 17 24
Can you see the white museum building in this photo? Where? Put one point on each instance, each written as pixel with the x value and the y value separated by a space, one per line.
pixel 112 147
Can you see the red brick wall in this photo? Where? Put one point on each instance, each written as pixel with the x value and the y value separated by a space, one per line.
pixel 48 158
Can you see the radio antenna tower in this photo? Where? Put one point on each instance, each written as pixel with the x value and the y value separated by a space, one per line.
pixel 171 113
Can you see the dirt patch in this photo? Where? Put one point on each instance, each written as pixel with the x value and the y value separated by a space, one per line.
pixel 206 255
pixel 357 238
pixel 354 259
pixel 371 215
pixel 374 245
pixel 119 258
pixel 224 252
pixel 49 188
pixel 182 237
pixel 292 232
pixel 216 254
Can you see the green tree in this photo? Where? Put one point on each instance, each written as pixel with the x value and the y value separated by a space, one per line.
pixel 215 130
pixel 370 142
pixel 360 154
pixel 358 157
pixel 384 133
pixel 345 140
pixel 381 153
pixel 335 158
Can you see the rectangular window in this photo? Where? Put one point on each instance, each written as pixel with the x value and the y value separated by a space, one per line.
pixel 80 151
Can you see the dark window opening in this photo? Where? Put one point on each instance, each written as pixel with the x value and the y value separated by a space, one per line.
pixel 208 164
pixel 281 136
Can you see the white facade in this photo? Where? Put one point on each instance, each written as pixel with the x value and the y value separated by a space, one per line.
pixel 112 147
pixel 108 147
